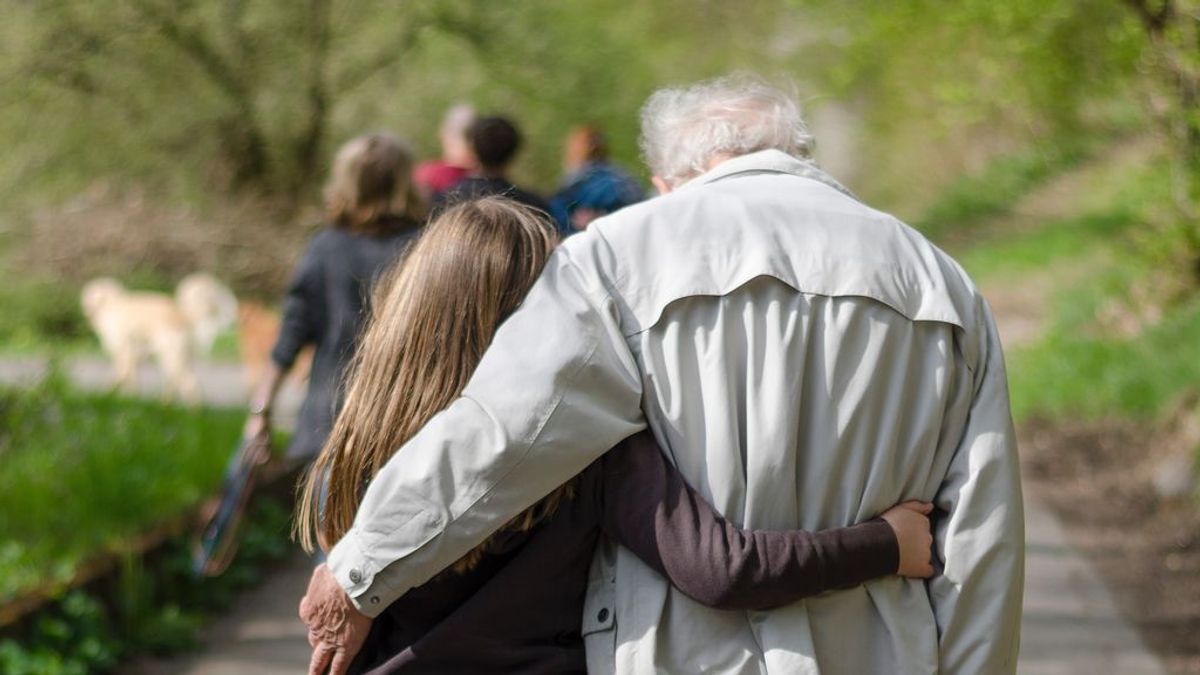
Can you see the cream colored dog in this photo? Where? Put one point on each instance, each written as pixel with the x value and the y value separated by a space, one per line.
pixel 133 325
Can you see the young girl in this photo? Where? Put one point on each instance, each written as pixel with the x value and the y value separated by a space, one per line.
pixel 515 603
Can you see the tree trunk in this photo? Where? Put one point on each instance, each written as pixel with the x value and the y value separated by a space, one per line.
pixel 311 141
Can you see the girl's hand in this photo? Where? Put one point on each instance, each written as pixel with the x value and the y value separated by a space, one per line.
pixel 910 522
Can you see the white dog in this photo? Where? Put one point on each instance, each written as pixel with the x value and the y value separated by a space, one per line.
pixel 134 325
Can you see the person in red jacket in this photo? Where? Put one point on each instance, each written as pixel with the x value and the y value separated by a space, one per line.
pixel 435 176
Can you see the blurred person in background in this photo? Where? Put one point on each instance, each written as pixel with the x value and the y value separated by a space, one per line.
pixel 494 144
pixel 374 212
pixel 435 176
pixel 593 186
pixel 515 602
pixel 803 359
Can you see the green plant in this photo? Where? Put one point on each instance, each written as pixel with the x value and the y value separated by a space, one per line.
pixel 84 472
pixel 995 190
pixel 73 638
pixel 1079 371
pixel 157 605
pixel 41 312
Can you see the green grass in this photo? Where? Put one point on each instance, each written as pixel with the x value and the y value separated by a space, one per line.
pixel 1078 371
pixel 153 607
pixel 81 472
pixel 994 190
pixel 1051 243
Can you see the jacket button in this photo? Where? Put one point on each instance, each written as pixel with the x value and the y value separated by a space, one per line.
pixel 355 576
pixel 602 615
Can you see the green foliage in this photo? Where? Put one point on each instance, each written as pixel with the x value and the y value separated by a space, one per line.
pixel 974 61
pixel 1054 241
pixel 41 312
pixel 946 87
pixel 83 472
pixel 993 191
pixel 1079 372
pixel 74 638
pixel 1111 209
pixel 160 605
pixel 192 98
pixel 1080 368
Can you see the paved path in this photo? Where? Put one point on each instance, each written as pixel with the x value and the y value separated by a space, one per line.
pixel 261 635
pixel 1071 624
pixel 222 385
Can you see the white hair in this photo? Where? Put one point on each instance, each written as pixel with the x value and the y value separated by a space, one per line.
pixel 685 128
pixel 458 119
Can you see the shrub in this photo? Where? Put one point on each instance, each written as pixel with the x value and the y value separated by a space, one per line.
pixel 83 472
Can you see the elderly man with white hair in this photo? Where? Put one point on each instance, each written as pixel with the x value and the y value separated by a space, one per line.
pixel 805 360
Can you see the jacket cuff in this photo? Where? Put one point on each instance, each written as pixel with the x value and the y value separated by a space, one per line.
pixel 357 575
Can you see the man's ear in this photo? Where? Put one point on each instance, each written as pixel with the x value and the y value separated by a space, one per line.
pixel 661 185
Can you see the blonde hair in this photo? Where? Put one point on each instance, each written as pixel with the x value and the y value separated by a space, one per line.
pixel 432 318
pixel 370 185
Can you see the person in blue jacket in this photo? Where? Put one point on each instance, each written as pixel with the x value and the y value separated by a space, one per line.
pixel 593 185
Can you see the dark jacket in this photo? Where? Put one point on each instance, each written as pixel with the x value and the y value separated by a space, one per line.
pixel 325 307
pixel 600 187
pixel 520 610
pixel 474 187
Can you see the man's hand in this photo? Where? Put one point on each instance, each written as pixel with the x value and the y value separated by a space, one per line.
pixel 336 629
pixel 910 522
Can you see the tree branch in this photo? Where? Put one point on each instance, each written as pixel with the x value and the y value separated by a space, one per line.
pixel 201 52
pixel 1155 21
pixel 357 74
pixel 308 147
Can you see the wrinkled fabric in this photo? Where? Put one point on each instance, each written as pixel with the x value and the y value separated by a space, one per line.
pixel 806 361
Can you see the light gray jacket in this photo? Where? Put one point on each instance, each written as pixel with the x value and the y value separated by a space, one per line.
pixel 807 361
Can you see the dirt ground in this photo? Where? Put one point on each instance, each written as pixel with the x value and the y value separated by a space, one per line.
pixel 1097 477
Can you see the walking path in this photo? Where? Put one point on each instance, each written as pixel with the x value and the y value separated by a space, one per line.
pixel 1071 624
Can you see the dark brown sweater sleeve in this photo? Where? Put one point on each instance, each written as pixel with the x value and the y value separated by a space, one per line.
pixel 651 510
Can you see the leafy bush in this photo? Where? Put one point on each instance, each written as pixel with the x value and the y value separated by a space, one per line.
pixel 73 639
pixel 159 607
pixel 37 313
pixel 1079 371
pixel 83 472
pixel 1080 367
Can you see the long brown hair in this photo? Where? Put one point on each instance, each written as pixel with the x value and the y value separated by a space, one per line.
pixel 370 186
pixel 432 318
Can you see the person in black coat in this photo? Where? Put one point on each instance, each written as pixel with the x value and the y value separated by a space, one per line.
pixel 374 212
pixel 494 141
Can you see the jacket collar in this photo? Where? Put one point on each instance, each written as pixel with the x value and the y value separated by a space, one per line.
pixel 768 161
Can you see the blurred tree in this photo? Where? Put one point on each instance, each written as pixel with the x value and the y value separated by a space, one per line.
pixel 978 78
pixel 248 95
pixel 252 83
pixel 1172 29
